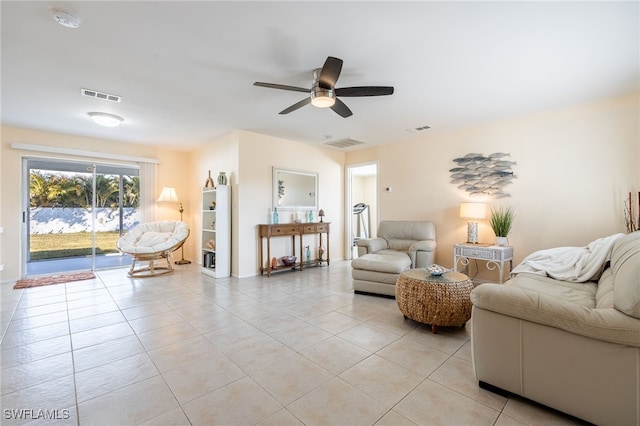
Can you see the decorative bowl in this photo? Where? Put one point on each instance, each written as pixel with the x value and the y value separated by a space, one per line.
pixel 289 260
pixel 437 269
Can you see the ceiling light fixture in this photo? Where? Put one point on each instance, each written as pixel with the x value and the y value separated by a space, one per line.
pixel 65 18
pixel 323 98
pixel 105 119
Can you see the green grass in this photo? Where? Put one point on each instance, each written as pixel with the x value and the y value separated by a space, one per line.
pixel 54 246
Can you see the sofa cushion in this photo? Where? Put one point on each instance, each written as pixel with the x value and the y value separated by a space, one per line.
pixel 389 261
pixel 604 296
pixel 407 230
pixel 583 294
pixel 373 276
pixel 625 265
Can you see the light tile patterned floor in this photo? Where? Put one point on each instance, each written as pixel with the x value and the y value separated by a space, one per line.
pixel 293 349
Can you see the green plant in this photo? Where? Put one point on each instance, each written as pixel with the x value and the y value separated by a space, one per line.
pixel 501 220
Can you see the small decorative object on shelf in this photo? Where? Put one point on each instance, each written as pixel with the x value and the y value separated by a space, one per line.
pixel 212 206
pixel 320 253
pixel 222 178
pixel 211 244
pixel 274 263
pixel 275 216
pixel 288 260
pixel 209 182
pixel 308 253
pixel 310 216
pixel 321 214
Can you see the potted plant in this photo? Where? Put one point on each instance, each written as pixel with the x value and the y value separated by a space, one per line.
pixel 501 222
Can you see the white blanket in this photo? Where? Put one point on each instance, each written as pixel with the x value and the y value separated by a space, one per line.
pixel 576 264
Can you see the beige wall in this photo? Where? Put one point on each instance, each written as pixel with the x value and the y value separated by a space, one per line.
pixel 574 168
pixel 171 171
pixel 251 157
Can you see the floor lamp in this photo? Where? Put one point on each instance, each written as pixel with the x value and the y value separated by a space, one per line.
pixel 169 195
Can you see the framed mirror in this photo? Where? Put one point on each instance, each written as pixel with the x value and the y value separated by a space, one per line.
pixel 295 190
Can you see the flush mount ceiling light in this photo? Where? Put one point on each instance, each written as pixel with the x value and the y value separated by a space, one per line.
pixel 65 18
pixel 107 120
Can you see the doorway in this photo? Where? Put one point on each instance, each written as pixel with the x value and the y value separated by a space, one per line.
pixel 73 214
pixel 362 204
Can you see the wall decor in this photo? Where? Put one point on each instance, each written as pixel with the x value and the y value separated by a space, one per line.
pixel 482 175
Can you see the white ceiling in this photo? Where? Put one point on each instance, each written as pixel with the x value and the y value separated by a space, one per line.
pixel 185 69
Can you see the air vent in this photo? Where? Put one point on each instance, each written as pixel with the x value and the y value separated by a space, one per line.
pixel 101 95
pixel 344 143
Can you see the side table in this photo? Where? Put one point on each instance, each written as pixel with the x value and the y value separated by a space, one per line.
pixel 495 256
pixel 434 299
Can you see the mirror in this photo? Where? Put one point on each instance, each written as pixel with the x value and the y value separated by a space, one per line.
pixel 293 190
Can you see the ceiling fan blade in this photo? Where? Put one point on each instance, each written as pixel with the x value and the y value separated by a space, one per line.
pixel 364 91
pixel 330 73
pixel 296 106
pixel 341 109
pixel 282 87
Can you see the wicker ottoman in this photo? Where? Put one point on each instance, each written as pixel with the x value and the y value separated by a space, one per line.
pixel 436 300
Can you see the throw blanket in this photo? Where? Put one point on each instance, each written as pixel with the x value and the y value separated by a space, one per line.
pixel 576 264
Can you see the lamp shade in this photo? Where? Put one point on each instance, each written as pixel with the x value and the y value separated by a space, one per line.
pixel 168 195
pixel 473 210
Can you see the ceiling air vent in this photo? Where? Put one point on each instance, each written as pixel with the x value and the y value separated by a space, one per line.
pixel 344 143
pixel 101 95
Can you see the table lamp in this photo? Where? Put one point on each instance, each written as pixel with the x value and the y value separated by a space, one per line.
pixel 473 211
pixel 169 195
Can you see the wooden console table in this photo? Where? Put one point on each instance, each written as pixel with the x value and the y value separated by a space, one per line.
pixel 292 230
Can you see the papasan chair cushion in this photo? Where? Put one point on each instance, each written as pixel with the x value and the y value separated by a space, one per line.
pixel 153 241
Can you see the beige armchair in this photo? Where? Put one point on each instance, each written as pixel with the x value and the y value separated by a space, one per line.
pixel 400 245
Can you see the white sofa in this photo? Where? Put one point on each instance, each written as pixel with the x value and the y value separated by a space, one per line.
pixel 400 245
pixel 571 346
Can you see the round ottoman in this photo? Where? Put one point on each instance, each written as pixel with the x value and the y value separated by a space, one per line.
pixel 438 300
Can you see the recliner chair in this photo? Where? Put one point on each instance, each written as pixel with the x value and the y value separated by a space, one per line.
pixel 400 245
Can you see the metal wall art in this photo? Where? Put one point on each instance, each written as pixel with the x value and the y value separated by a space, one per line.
pixel 482 175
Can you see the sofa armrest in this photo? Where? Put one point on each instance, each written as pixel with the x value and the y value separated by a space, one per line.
pixel 603 324
pixel 422 260
pixel 371 245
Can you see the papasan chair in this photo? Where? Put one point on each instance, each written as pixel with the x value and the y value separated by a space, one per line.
pixel 153 241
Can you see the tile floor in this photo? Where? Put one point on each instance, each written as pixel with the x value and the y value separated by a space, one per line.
pixel 293 349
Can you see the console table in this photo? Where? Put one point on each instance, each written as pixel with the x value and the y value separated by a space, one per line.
pixel 495 256
pixel 292 230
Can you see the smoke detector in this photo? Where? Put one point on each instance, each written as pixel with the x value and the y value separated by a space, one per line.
pixel 65 18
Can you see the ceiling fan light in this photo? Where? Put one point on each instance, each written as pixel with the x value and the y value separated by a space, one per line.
pixel 323 98
pixel 105 119
pixel 323 102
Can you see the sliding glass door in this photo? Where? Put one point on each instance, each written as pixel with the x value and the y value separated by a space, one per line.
pixel 74 213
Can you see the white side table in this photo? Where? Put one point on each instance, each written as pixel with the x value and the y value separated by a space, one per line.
pixel 495 256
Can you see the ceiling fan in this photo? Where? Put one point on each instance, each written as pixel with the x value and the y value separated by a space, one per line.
pixel 324 94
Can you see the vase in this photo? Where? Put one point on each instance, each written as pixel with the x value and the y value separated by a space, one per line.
pixel 209 182
pixel 501 241
pixel 222 179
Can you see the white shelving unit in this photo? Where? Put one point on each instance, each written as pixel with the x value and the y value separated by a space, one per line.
pixel 216 228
